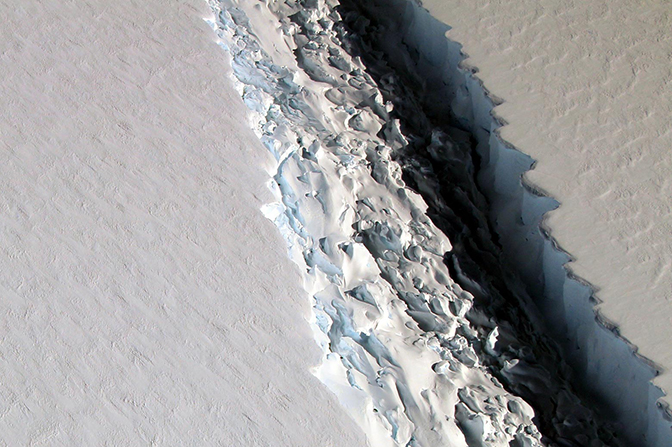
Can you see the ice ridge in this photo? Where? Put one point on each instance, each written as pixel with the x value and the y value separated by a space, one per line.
pixel 423 342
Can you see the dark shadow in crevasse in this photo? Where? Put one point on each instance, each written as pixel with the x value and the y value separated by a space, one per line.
pixel 441 163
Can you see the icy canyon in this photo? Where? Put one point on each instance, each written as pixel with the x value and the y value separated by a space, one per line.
pixel 334 223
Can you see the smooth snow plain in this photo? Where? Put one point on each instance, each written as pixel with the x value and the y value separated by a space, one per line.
pixel 145 298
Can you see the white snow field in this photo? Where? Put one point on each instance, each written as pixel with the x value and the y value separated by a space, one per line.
pixel 145 300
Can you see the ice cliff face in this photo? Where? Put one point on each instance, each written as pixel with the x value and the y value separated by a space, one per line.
pixel 423 341
pixel 604 366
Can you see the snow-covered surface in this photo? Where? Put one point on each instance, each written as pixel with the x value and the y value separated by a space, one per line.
pixel 586 93
pixel 144 298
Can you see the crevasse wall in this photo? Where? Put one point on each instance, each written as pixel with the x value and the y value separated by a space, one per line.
pixel 605 365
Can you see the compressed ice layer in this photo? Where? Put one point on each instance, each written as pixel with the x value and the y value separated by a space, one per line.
pixel 404 347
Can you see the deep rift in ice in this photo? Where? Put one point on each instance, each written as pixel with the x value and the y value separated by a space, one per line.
pixel 419 355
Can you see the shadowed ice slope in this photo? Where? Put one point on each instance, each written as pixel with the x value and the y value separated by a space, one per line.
pixel 605 365
pixel 428 337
